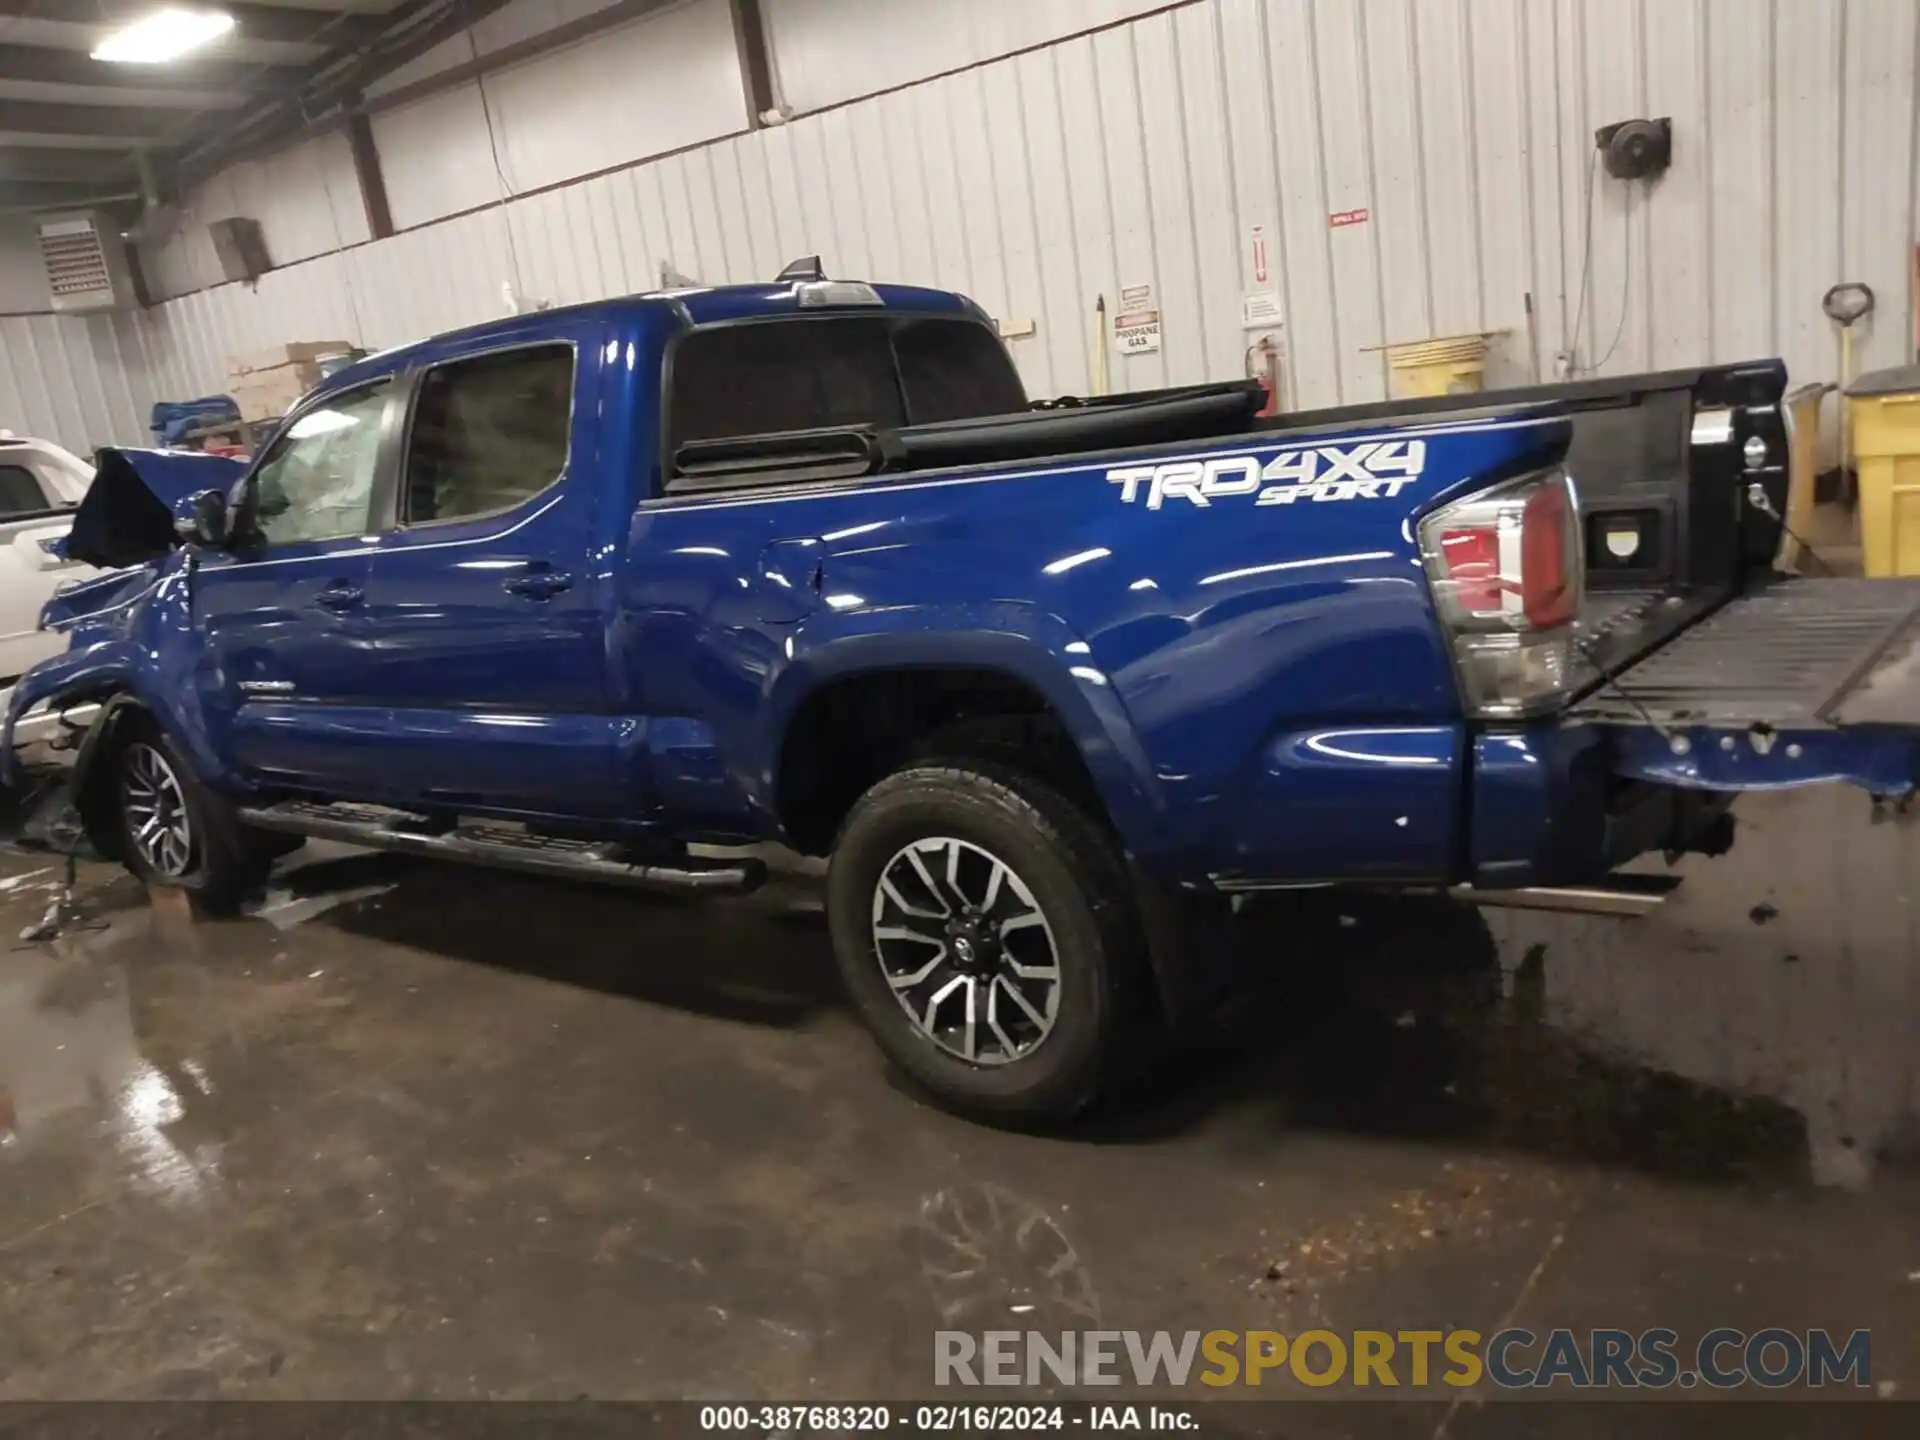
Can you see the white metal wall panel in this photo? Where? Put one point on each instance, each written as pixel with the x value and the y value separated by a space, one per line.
pixel 509 25
pixel 306 199
pixel 1875 213
pixel 1607 45
pixel 435 157
pixel 656 84
pixel 23 275
pixel 1680 220
pixel 1741 152
pixel 1144 153
pixel 1342 82
pixel 826 52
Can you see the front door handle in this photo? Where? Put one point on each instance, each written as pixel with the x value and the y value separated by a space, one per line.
pixel 341 595
pixel 541 584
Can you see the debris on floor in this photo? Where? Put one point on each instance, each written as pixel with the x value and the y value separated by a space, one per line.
pixel 283 909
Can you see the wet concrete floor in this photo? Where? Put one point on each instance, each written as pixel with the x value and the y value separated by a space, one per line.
pixel 464 1134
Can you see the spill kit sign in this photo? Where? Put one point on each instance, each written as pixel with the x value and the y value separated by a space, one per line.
pixel 1136 324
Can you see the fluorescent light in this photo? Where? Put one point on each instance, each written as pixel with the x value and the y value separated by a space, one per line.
pixel 163 35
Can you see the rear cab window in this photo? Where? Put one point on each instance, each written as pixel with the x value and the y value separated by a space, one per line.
pixel 796 373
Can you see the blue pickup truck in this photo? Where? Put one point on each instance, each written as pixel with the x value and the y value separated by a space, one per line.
pixel 594 591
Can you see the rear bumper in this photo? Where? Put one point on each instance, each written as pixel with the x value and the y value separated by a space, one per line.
pixel 1549 806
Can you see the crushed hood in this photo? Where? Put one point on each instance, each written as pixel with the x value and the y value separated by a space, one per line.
pixel 127 515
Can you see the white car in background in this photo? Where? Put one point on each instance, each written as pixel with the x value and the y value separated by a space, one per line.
pixel 40 487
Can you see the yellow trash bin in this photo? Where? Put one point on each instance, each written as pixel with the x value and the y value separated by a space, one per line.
pixel 1884 415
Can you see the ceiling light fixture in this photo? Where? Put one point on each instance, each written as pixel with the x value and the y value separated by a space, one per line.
pixel 163 35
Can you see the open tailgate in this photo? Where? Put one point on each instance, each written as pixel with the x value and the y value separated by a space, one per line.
pixel 1799 682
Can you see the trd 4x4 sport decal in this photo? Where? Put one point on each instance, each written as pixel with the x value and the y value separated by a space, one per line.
pixel 1377 470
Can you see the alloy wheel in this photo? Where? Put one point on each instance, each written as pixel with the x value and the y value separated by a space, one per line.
pixel 156 811
pixel 966 950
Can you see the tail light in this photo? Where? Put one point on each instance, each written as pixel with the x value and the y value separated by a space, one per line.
pixel 1505 565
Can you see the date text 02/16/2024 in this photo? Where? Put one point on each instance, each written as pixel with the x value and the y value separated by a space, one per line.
pixel 944 1419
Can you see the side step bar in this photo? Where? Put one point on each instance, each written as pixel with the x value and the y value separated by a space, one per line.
pixel 1627 896
pixel 505 847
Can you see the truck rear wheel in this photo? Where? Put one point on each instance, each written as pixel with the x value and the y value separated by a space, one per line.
pixel 984 930
pixel 176 832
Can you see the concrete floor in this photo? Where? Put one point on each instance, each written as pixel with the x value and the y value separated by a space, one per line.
pixel 470 1135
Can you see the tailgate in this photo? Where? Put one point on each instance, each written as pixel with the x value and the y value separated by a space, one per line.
pixel 1800 682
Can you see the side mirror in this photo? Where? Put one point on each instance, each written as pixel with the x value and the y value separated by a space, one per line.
pixel 203 519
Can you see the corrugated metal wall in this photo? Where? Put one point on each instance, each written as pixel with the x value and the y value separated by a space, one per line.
pixel 826 52
pixel 1146 152
pixel 306 198
pixel 656 84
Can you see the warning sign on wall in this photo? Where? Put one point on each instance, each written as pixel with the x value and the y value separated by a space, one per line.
pixel 1347 217
pixel 1260 310
pixel 1136 325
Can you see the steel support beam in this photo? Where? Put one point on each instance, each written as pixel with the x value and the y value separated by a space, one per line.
pixel 52 194
pixel 48 66
pixel 372 180
pixel 756 65
pixel 113 121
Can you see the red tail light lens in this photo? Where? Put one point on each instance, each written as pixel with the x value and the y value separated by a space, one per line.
pixel 1549 578
pixel 1507 578
pixel 1472 560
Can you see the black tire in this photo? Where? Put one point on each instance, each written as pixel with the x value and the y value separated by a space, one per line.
pixel 215 857
pixel 1063 865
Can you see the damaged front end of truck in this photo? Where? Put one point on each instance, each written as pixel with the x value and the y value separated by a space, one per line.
pixel 136 523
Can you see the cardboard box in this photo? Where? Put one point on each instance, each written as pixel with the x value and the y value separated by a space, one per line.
pixel 268 394
pixel 299 352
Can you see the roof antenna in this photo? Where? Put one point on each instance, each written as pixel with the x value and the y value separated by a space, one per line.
pixel 801 271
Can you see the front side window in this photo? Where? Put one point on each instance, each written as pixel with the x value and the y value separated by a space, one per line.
pixel 317 480
pixel 488 433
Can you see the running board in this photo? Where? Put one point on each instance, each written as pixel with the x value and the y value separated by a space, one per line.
pixel 1626 896
pixel 505 847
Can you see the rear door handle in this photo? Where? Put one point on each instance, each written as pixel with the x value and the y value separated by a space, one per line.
pixel 540 584
pixel 341 595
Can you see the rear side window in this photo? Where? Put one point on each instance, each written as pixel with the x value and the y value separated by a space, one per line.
pixel 488 433
pixel 20 492
pixel 820 372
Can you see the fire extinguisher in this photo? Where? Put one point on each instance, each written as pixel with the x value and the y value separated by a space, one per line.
pixel 1263 364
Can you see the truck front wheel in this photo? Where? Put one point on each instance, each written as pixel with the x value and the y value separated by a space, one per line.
pixel 176 832
pixel 984 930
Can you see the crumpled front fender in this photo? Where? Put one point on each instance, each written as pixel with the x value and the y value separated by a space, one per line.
pixel 73 679
pixel 150 652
